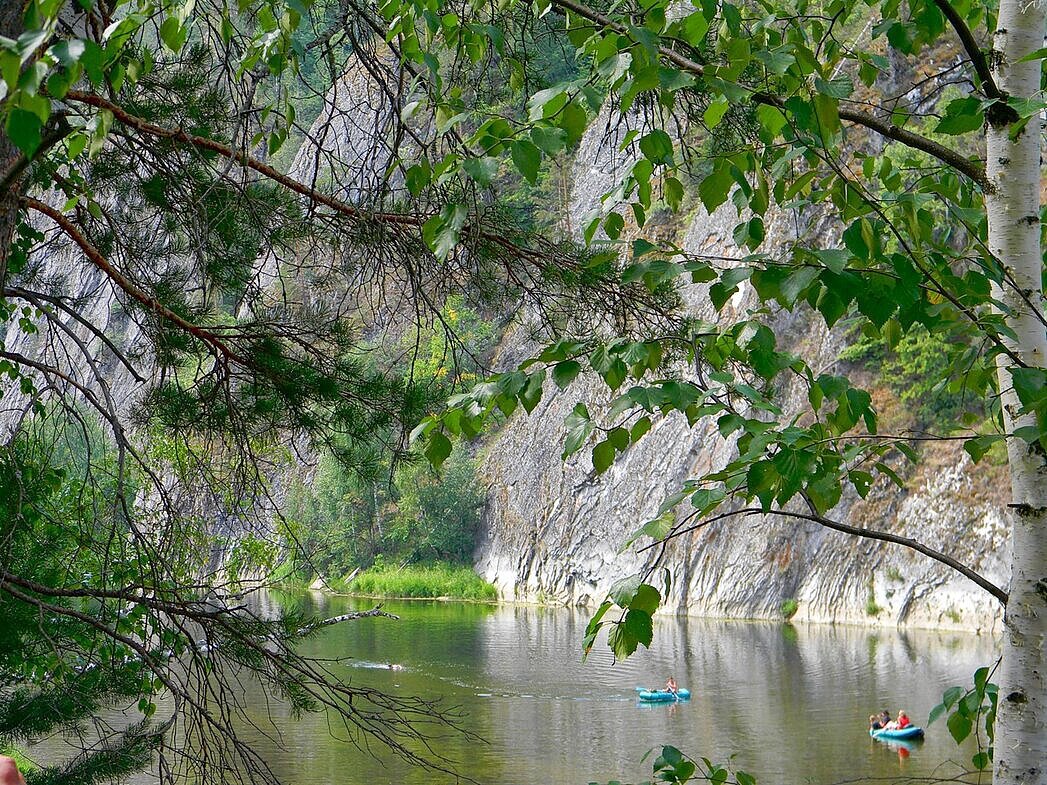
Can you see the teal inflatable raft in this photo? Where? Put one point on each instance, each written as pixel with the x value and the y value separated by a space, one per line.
pixel 905 734
pixel 662 696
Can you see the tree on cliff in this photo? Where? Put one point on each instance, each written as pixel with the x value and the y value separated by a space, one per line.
pixel 916 126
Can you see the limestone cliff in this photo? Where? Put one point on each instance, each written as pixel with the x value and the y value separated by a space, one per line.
pixel 554 531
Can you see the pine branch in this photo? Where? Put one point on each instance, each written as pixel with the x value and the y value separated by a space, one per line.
pixel 128 286
pixel 401 220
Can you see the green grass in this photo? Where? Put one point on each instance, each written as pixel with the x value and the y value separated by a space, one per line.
pixel 423 580
pixel 788 608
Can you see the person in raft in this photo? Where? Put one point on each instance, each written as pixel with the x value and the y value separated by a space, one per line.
pixel 670 685
pixel 9 774
pixel 885 719
pixel 903 721
pixel 874 722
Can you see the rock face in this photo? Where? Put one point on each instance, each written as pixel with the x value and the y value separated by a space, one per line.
pixel 554 530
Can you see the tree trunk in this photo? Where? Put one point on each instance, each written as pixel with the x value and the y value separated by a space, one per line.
pixel 1013 207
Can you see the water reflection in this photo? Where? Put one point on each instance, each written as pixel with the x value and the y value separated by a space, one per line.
pixel 786 703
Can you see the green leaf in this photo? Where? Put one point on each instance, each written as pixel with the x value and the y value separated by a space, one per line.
pixel 1039 54
pixel 840 87
pixel 657 147
pixel 962 115
pixel 482 170
pixel 23 128
pixel 531 394
pixel 173 34
pixel 565 372
pixel 827 112
pixel 621 642
pixel 673 192
pixel 68 52
pixel 1030 385
pixel 622 591
pixel 645 599
pixel 761 478
pixel 979 445
pixel 438 449
pixel 951 696
pixel 639 626
pixel 528 159
pixel 772 121
pixel 418 177
pixel 613 225
pixel 573 120
pixel 579 426
pixel 603 456
pixel 959 726
pixel 639 429
pixel 441 231
pixel 715 111
pixel 550 140
pixel 713 189
pixel 936 713
pixel 656 529
pixel 592 629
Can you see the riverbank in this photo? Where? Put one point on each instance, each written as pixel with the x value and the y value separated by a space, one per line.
pixel 415 581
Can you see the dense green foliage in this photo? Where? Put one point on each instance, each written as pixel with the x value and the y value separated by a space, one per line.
pixel 342 520
pixel 916 369
pixel 348 514
pixel 57 532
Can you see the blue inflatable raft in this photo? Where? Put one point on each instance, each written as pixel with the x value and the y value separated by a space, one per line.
pixel 662 696
pixel 905 734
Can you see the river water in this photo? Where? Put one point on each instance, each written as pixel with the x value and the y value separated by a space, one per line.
pixel 787 704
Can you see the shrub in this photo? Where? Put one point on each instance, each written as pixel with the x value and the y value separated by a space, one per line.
pixel 423 580
pixel 917 369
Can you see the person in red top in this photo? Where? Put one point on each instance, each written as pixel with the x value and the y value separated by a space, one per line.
pixel 903 720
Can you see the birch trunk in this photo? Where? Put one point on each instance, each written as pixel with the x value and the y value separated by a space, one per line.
pixel 1013 207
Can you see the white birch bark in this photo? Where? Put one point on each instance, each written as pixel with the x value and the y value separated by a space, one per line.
pixel 1013 167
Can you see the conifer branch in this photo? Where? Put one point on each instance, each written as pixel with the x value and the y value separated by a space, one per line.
pixel 130 288
pixel 403 220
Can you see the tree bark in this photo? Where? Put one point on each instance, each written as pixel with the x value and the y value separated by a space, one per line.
pixel 1013 206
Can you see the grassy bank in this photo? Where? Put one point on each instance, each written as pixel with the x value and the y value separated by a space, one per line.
pixel 421 580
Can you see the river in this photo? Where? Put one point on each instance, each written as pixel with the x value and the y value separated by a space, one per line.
pixel 785 703
pixel 789 703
